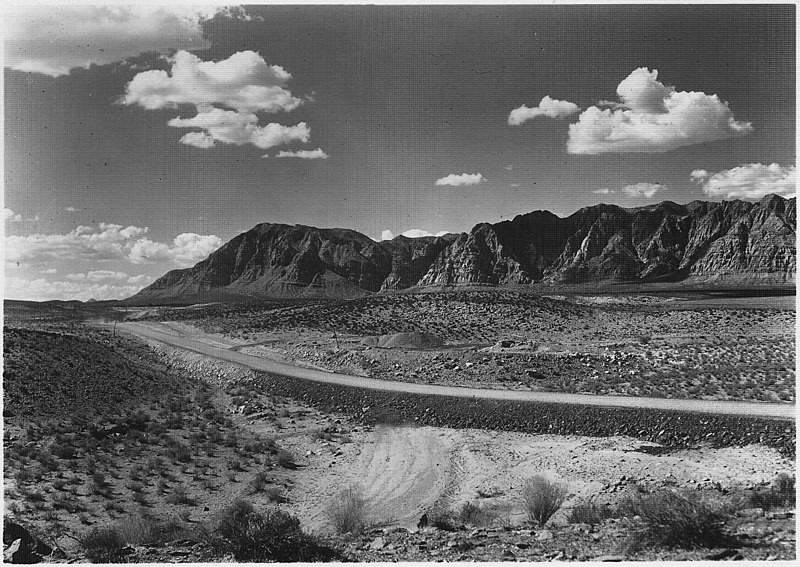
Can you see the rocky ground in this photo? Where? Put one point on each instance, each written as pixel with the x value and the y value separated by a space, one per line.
pixel 657 346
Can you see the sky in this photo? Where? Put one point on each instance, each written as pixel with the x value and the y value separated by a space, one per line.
pixel 139 139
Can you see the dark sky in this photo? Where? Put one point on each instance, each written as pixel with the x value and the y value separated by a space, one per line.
pixel 398 97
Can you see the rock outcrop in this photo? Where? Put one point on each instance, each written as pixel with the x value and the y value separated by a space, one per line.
pixel 734 242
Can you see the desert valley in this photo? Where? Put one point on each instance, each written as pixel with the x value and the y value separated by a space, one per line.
pixel 423 423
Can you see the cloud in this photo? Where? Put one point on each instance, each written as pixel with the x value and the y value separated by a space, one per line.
pixel 748 181
pixel 102 275
pixel 454 180
pixel 49 271
pixel 548 107
pixel 186 250
pixel 11 216
pixel 41 289
pixel 509 167
pixel 53 40
pixel 603 191
pixel 109 242
pixel 304 154
pixel 226 95
pixel 653 118
pixel 140 279
pixel 411 233
pixel 243 82
pixel 646 190
pixel 231 127
pixel 198 140
pixel 71 209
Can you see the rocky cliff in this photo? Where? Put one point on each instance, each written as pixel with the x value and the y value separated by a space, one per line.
pixel 731 241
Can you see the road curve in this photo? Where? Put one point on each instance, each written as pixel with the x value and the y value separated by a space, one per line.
pixel 752 409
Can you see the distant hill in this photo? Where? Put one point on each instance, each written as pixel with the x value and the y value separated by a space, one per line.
pixel 730 242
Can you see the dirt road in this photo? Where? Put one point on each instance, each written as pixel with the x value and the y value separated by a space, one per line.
pixel 210 346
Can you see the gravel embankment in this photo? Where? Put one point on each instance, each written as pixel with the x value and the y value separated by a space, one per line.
pixel 668 428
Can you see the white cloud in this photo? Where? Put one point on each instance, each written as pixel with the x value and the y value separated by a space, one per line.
pixel 71 209
pixel 49 271
pixel 509 167
pixel 56 39
pixel 11 216
pixel 748 181
pixel 231 127
pixel 186 250
pixel 651 118
pixel 140 279
pixel 198 140
pixel 226 95
pixel 41 289
pixel 243 82
pixel 411 233
pixel 603 191
pixel 455 180
pixel 102 275
pixel 304 154
pixel 548 107
pixel 76 277
pixel 108 242
pixel 646 190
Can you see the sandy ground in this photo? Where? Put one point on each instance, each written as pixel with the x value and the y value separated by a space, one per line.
pixel 403 471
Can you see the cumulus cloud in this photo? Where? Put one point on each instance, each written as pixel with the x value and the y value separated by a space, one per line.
pixel 243 82
pixel 226 95
pixel 53 40
pixel 237 128
pixel 198 140
pixel 109 242
pixel 140 279
pixel 49 271
pixel 11 216
pixel 411 233
pixel 646 190
pixel 187 249
pixel 652 117
pixel 748 181
pixel 548 108
pixel 71 209
pixel 304 154
pixel 41 289
pixel 455 180
pixel 603 191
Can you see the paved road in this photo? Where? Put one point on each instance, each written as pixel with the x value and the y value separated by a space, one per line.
pixel 170 337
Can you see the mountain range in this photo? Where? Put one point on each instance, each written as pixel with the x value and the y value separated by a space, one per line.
pixel 729 242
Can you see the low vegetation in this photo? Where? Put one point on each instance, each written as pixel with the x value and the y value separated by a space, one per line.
pixel 542 498
pixel 347 512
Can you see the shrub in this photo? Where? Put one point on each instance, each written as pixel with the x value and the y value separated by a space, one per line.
pixel 63 451
pixel 673 519
pixel 347 511
pixel 588 512
pixel 103 545
pixel 286 459
pixel 179 495
pixel 272 535
pixel 781 493
pixel 542 498
pixel 475 515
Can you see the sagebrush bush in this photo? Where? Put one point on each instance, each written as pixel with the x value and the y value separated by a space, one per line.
pixel 673 519
pixel 272 535
pixel 103 545
pixel 589 512
pixel 347 511
pixel 542 498
pixel 781 493
pixel 476 515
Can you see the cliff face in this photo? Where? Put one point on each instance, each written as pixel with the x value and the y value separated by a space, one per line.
pixel 732 240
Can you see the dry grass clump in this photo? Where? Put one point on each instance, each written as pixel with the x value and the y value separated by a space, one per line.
pixel 271 535
pixel 676 519
pixel 542 498
pixel 781 494
pixel 347 511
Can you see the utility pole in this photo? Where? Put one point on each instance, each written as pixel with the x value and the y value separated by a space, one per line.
pixel 335 338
